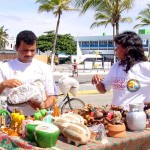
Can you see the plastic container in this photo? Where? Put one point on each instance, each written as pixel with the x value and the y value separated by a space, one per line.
pixel 98 133
pixel 139 106
pixel 136 118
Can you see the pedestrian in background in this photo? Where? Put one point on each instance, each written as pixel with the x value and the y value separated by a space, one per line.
pixel 129 77
pixel 75 68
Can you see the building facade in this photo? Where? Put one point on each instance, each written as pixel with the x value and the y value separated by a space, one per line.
pixel 11 44
pixel 104 45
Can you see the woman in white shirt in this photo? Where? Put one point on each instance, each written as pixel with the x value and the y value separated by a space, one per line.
pixel 129 78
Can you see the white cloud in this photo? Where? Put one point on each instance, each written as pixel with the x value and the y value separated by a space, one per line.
pixel 20 15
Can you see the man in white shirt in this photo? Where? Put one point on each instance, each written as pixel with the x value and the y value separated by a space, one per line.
pixel 26 69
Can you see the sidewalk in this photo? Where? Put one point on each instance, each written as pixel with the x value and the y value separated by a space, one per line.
pixel 81 72
pixel 67 69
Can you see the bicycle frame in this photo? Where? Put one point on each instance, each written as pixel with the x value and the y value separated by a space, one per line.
pixel 67 98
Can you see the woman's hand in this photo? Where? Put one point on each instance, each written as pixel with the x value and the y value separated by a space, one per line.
pixel 96 79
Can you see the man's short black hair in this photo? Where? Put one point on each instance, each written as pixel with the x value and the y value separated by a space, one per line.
pixel 26 36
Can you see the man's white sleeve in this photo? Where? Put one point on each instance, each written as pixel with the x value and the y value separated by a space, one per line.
pixel 49 82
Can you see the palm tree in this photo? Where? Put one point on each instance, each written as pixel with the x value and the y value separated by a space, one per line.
pixel 144 16
pixel 113 8
pixel 109 11
pixel 3 37
pixel 57 7
pixel 104 17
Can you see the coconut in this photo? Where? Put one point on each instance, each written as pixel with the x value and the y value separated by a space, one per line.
pixel 46 135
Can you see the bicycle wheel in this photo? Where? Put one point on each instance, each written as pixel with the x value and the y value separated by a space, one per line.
pixel 72 104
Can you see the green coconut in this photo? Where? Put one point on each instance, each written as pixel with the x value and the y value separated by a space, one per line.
pixel 46 135
pixel 30 128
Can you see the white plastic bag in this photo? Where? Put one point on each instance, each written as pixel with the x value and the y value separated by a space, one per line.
pixel 68 84
pixel 28 91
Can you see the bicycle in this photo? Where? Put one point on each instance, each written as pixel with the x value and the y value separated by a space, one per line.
pixel 68 104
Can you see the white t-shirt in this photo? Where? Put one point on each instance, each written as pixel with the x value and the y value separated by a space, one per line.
pixel 131 87
pixel 27 72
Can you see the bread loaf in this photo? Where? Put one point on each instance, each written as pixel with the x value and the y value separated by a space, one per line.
pixel 74 118
pixel 60 121
pixel 66 118
pixel 76 132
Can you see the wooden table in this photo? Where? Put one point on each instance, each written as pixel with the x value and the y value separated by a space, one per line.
pixel 133 141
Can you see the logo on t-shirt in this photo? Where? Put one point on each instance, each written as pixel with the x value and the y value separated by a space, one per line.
pixel 133 85
pixel 119 83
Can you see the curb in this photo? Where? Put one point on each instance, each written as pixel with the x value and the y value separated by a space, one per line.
pixel 83 92
pixel 80 73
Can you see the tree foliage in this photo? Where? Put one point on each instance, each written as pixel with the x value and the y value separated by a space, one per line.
pixel 104 16
pixel 65 43
pixel 110 10
pixel 3 37
pixel 57 7
pixel 144 17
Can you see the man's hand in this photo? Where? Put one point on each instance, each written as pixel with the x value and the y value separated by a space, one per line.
pixel 11 83
pixel 49 102
pixel 34 104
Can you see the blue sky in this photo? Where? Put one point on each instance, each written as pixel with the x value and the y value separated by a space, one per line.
pixel 18 15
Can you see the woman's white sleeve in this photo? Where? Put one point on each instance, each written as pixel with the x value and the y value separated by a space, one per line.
pixel 109 79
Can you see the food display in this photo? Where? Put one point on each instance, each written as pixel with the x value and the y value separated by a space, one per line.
pixel 102 114
pixel 78 127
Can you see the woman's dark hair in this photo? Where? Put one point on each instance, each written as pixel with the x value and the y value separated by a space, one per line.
pixel 134 49
pixel 26 36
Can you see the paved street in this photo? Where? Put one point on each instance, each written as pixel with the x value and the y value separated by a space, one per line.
pixel 84 77
pixel 87 91
pixel 67 69
pixel 94 99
